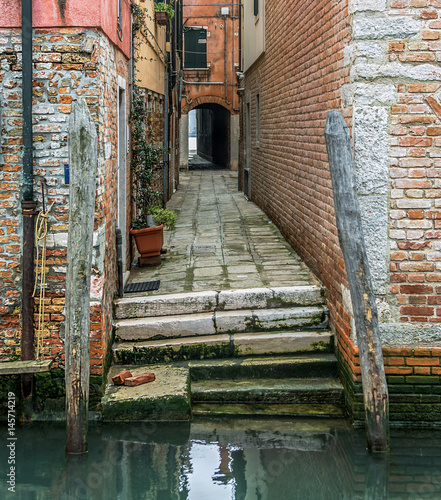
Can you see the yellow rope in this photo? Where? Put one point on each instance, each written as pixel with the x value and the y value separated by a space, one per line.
pixel 40 272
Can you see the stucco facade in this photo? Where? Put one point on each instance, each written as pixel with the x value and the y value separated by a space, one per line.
pixel 213 82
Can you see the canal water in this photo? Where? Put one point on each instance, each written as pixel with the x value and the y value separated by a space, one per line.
pixel 222 459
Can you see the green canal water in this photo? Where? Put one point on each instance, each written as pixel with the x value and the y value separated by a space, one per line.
pixel 221 459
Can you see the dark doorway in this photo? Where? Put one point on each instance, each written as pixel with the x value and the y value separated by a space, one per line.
pixel 213 134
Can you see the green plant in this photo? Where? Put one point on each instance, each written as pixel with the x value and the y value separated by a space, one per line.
pixel 164 216
pixel 162 6
pixel 145 158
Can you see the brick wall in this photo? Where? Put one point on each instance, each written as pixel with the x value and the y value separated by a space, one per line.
pixel 413 378
pixel 394 95
pixel 68 63
pixel 378 63
pixel 298 80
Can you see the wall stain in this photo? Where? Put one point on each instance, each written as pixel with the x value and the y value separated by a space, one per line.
pixel 62 7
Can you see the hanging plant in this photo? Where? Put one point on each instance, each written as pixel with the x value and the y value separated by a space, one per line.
pixel 163 13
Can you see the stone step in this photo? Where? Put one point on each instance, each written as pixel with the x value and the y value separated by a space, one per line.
pixel 166 398
pixel 321 365
pixel 268 391
pixel 222 346
pixel 226 300
pixel 268 410
pixel 246 320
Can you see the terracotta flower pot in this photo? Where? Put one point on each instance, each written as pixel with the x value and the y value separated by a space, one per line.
pixel 149 240
pixel 161 17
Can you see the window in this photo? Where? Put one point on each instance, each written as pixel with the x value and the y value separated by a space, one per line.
pixel 195 49
pixel 256 7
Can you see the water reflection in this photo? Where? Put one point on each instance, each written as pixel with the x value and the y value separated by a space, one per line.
pixel 224 459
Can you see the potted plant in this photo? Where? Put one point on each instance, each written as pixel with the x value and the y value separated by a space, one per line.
pixel 146 154
pixel 163 13
pixel 164 216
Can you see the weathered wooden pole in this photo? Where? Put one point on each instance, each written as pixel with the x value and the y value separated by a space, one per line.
pixel 350 234
pixel 83 166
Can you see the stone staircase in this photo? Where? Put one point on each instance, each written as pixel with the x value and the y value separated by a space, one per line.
pixel 261 351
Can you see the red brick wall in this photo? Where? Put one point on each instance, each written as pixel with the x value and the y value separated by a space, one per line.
pixel 299 80
pixel 415 272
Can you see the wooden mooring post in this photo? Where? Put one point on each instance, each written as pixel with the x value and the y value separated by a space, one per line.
pixel 83 166
pixel 350 234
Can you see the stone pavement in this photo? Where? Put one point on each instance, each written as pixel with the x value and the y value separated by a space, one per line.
pixel 221 241
pixel 196 162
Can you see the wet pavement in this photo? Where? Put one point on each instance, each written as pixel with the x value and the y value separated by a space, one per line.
pixel 221 241
pixel 196 162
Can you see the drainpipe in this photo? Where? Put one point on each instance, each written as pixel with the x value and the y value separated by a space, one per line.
pixel 225 61
pixel 166 124
pixel 28 204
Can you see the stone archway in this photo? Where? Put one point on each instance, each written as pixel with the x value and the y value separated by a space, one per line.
pixel 216 134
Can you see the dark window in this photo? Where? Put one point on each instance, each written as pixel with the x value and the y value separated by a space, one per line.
pixel 195 49
pixel 256 7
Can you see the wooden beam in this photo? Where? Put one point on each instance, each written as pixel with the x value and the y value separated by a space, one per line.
pixel 20 367
pixel 83 167
pixel 350 234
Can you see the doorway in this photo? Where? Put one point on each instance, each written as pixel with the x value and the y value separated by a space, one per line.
pixel 209 137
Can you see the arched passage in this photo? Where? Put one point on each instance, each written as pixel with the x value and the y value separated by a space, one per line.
pixel 218 132
pixel 213 134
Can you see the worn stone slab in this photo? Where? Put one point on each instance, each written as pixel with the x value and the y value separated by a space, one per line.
pixel 164 305
pixel 155 351
pixel 300 391
pixel 247 344
pixel 297 295
pixel 163 327
pixel 266 319
pixel 167 398
pixel 366 26
pixel 233 321
pixel 244 298
pixel 19 367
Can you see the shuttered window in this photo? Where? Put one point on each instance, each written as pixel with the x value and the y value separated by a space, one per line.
pixel 195 48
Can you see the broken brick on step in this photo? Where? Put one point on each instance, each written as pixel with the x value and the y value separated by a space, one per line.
pixel 119 379
pixel 139 379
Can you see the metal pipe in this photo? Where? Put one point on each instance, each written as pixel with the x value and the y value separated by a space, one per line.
pixel 28 180
pixel 233 56
pixel 166 125
pixel 225 60
pixel 119 262
pixel 28 204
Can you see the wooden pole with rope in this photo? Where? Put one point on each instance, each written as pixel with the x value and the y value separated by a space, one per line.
pixel 41 230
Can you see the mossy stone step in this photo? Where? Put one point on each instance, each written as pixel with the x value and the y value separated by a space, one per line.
pixel 247 320
pixel 270 391
pixel 222 346
pixel 211 300
pixel 268 410
pixel 321 365
pixel 167 398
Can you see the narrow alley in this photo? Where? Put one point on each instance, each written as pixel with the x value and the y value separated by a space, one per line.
pixel 221 241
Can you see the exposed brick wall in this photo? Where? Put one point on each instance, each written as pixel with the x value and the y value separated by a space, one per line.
pixel 298 80
pixel 396 80
pixel 377 62
pixel 68 63
pixel 413 378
